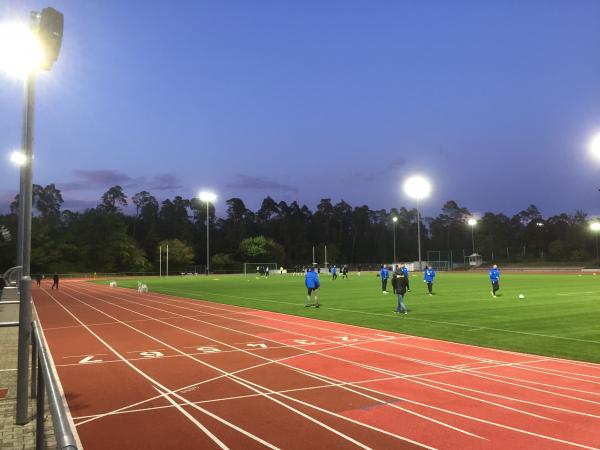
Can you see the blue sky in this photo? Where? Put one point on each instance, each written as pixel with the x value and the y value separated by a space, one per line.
pixel 494 101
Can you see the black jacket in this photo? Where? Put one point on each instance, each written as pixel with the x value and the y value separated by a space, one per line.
pixel 399 283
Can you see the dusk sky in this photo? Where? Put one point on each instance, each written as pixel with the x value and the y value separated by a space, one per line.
pixel 495 101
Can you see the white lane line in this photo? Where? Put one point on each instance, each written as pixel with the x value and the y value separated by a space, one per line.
pixel 234 378
pixel 192 419
pixel 425 381
pixel 481 420
pixel 388 395
pixel 195 406
pixel 140 372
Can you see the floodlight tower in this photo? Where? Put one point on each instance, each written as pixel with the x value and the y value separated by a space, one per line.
pixel 472 222
pixel 208 198
pixel 595 227
pixel 418 188
pixel 24 52
pixel 394 221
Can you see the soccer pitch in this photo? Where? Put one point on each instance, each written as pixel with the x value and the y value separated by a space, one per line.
pixel 559 316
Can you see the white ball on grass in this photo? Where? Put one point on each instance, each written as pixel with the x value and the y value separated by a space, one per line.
pixel 521 296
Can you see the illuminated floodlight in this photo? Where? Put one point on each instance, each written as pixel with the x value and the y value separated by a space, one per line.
pixel 472 222
pixel 21 52
pixel 394 219
pixel 594 146
pixel 417 187
pixel 207 196
pixel 18 158
pixel 595 226
pixel 539 224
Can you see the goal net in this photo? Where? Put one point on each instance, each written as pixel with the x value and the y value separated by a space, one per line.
pixel 254 268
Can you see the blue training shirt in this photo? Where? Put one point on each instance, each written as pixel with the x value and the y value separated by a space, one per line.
pixel 494 274
pixel 312 280
pixel 429 275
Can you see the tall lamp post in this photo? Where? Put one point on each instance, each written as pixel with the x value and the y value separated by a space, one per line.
pixel 418 188
pixel 24 52
pixel 394 221
pixel 595 227
pixel 208 198
pixel 472 222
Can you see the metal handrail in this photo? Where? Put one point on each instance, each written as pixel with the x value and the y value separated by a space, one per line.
pixel 42 381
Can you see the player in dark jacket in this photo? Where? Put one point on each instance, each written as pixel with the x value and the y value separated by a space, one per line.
pixel 400 285
pixel 55 281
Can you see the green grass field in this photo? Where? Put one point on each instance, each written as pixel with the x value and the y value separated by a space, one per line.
pixel 560 315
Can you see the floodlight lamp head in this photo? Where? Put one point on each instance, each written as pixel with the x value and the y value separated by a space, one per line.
pixel 394 219
pixel 595 226
pixel 21 52
pixel 472 222
pixel 417 187
pixel 50 33
pixel 207 196
pixel 18 158
pixel 539 224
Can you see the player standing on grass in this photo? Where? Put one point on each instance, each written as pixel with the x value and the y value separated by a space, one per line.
pixel 345 272
pixel 334 273
pixel 495 279
pixel 399 283
pixel 384 274
pixel 311 280
pixel 428 277
pixel 405 272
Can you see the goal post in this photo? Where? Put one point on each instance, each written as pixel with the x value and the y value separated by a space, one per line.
pixel 252 268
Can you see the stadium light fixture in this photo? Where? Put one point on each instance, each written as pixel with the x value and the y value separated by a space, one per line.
pixel 418 188
pixel 472 222
pixel 394 221
pixel 595 227
pixel 207 197
pixel 24 51
pixel 539 224
pixel 18 158
pixel 594 146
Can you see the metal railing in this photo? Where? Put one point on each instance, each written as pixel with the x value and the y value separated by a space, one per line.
pixel 42 382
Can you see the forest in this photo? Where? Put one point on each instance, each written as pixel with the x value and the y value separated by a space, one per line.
pixel 105 239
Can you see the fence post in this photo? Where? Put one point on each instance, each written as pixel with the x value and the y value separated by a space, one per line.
pixel 34 365
pixel 39 415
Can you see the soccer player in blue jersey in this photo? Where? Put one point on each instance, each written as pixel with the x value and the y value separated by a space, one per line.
pixel 428 276
pixel 384 274
pixel 311 280
pixel 495 279
pixel 405 272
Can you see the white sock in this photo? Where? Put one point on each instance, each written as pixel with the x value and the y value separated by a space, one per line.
pixel 316 300
pixel 307 299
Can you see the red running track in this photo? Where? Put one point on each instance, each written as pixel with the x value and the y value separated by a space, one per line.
pixel 150 371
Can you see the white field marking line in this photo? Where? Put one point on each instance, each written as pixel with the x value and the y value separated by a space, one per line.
pixel 425 381
pixel 152 350
pixel 151 380
pixel 8 370
pixel 61 391
pixel 576 293
pixel 563 371
pixel 531 369
pixel 246 383
pixel 192 419
pixel 434 364
pixel 168 394
pixel 307 373
pixel 377 370
pixel 388 316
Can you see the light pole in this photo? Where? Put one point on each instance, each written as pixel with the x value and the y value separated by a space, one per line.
pixel 418 188
pixel 595 227
pixel 472 222
pixel 24 52
pixel 394 221
pixel 209 198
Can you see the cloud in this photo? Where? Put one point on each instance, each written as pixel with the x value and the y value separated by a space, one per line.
pixel 90 179
pixel 369 177
pixel 165 182
pixel 256 183
pixel 105 178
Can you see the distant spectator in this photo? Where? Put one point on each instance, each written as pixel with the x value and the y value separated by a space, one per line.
pixel 38 279
pixel 55 281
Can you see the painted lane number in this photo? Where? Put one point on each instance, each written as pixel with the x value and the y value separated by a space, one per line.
pixel 304 342
pixel 89 360
pixel 257 345
pixel 208 349
pixel 151 354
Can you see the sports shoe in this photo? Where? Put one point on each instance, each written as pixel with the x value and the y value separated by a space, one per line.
pixel 317 306
pixel 307 305
pixel 405 312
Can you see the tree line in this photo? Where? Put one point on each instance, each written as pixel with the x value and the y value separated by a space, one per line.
pixel 106 239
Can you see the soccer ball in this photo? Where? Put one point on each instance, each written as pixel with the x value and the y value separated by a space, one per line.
pixel 521 296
